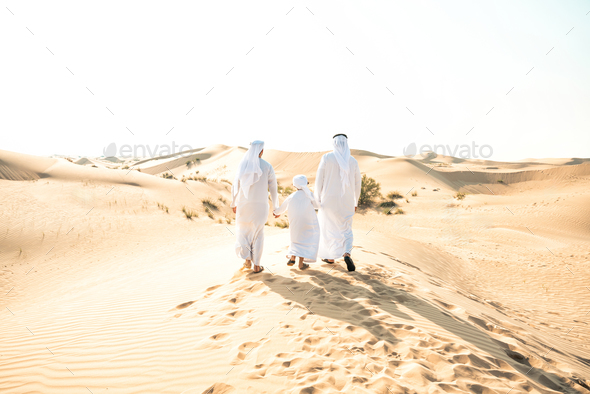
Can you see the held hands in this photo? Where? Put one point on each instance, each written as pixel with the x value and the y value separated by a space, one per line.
pixel 234 209
pixel 275 215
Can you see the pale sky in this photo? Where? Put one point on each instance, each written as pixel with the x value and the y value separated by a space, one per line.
pixel 316 69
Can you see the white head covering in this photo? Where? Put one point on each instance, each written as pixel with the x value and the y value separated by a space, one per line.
pixel 342 153
pixel 249 169
pixel 300 183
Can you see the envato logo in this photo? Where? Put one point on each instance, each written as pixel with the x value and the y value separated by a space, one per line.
pixel 464 151
pixel 141 150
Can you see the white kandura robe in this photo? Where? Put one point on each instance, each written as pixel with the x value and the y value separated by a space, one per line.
pixel 336 210
pixel 252 213
pixel 304 228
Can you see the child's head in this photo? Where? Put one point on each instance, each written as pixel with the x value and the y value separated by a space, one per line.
pixel 299 181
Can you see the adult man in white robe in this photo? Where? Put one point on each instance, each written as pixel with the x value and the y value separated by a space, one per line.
pixel 254 179
pixel 337 190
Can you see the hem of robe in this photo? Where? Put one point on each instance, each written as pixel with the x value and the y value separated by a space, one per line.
pixel 333 256
pixel 247 255
pixel 305 259
pixel 243 255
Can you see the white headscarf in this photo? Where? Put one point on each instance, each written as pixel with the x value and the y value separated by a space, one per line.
pixel 300 183
pixel 249 169
pixel 342 153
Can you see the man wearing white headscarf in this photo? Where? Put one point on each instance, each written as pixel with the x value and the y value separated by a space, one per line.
pixel 304 228
pixel 337 190
pixel 254 179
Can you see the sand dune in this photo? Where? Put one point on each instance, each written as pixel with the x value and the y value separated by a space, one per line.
pixel 108 287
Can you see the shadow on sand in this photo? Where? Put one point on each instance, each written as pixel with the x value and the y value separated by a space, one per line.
pixel 336 298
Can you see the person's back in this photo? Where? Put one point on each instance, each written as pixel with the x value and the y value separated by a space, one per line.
pixel 300 208
pixel 330 186
pixel 258 192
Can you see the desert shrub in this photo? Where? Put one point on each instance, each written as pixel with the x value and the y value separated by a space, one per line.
pixel 197 178
pixel 222 200
pixel 209 203
pixel 387 204
pixel 370 190
pixel 460 196
pixel 414 193
pixel 282 224
pixel 288 190
pixel 167 175
pixel 391 211
pixel 500 181
pixel 163 207
pixel 394 195
pixel 189 213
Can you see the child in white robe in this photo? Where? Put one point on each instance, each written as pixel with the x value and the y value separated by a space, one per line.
pixel 304 228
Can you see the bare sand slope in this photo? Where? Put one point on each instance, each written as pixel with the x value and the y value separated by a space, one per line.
pixel 108 287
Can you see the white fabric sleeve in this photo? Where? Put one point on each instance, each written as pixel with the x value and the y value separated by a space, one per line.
pixel 319 181
pixel 235 190
pixel 272 187
pixel 357 183
pixel 284 206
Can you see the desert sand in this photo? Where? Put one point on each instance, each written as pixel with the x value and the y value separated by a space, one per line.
pixel 108 287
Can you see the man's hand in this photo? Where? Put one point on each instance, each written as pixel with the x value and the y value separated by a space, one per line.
pixel 234 209
pixel 276 216
pixel 354 209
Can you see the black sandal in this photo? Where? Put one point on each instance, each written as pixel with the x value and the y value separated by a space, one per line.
pixel 290 262
pixel 349 263
pixel 326 261
pixel 257 272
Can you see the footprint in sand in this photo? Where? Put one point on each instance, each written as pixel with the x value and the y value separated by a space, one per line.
pixel 245 349
pixel 214 341
pixel 185 305
pixel 448 307
pixel 217 388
